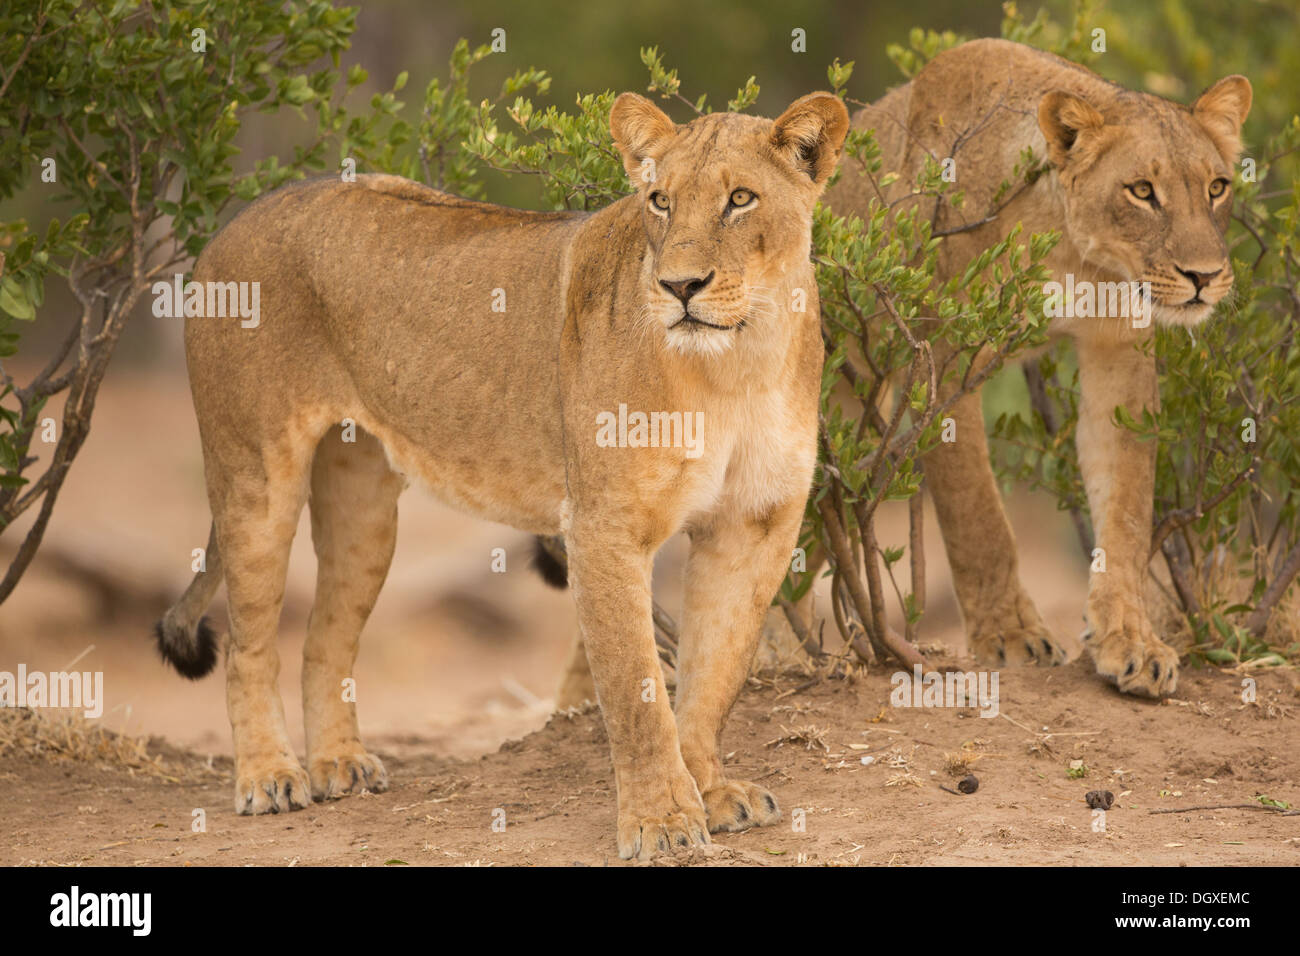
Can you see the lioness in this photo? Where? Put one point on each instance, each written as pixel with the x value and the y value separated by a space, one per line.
pixel 377 314
pixel 1141 189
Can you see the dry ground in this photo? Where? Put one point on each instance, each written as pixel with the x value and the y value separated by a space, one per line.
pixel 555 788
pixel 457 661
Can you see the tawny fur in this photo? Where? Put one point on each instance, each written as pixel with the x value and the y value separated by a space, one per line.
pixel 376 308
pixel 981 104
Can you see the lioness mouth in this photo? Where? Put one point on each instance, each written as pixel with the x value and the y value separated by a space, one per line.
pixel 689 320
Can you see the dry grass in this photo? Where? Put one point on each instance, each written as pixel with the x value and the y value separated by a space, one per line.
pixel 70 736
pixel 1221 586
pixel 959 764
pixel 812 737
pixel 904 778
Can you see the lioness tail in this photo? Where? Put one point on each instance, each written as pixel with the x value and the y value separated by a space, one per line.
pixel 185 638
pixel 550 560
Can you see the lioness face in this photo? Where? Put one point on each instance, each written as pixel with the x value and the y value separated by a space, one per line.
pixel 727 205
pixel 1150 201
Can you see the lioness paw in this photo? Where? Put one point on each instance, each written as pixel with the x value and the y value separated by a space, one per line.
pixel 335 777
pixel 1012 647
pixel 647 828
pixel 739 805
pixel 1127 652
pixel 275 785
pixel 575 691
pixel 643 838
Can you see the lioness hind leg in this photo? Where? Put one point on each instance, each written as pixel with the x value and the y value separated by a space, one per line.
pixel 576 686
pixel 257 495
pixel 354 529
pixel 734 569
pixel 1002 624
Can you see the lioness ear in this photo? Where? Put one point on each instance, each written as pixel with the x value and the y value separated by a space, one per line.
pixel 1221 110
pixel 810 134
pixel 640 130
pixel 1066 121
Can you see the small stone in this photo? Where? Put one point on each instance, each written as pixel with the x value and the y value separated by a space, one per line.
pixel 1099 799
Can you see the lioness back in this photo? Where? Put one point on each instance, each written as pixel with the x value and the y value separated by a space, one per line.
pixel 976 104
pixel 351 276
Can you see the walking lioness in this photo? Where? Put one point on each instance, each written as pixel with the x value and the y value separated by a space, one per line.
pixel 1141 190
pixel 484 352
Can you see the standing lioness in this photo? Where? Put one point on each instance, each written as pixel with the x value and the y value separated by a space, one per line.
pixel 1141 190
pixel 680 303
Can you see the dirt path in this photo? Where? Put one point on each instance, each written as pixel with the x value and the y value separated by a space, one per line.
pixel 555 787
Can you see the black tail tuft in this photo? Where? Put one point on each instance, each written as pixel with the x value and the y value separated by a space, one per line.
pixel 553 572
pixel 192 650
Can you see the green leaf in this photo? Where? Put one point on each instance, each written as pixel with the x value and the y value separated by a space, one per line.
pixel 13 299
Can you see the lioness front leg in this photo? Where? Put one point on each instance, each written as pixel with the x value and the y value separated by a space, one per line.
pixel 659 806
pixel 1119 475
pixel 735 566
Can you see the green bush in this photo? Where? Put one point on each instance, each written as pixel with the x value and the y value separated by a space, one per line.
pixel 125 114
pixel 124 105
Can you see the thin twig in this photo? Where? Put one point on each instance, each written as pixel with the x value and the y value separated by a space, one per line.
pixel 1229 806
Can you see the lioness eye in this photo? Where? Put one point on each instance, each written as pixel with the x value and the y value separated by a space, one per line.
pixel 1218 187
pixel 1142 190
pixel 659 201
pixel 741 197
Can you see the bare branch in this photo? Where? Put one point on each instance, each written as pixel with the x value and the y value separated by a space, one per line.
pixel 1257 622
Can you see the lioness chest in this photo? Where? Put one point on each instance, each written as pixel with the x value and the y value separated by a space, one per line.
pixel 759 452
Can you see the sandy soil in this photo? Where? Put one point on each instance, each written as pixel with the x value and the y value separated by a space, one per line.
pixel 555 789
pixel 458 667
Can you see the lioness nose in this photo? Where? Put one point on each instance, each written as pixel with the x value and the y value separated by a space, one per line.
pixel 685 288
pixel 1200 279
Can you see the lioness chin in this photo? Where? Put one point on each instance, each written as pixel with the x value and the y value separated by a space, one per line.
pixel 1141 190
pixel 377 298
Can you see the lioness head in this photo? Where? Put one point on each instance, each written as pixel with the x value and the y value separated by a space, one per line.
pixel 1148 189
pixel 727 205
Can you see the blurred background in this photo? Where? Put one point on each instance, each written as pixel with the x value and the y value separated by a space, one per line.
pixel 457 658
